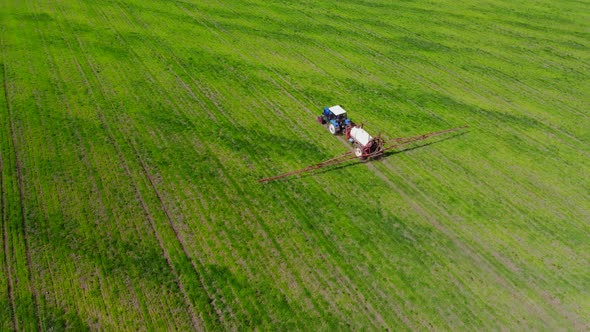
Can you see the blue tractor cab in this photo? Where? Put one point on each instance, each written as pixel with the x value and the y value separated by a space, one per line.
pixel 336 119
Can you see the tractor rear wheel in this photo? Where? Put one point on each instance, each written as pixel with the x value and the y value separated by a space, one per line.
pixel 332 129
pixel 358 151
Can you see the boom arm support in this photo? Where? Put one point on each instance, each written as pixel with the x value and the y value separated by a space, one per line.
pixel 350 155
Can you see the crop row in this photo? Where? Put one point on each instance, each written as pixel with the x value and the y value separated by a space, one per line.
pixel 135 132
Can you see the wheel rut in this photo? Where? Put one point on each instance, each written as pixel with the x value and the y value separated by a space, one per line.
pixel 21 189
pixel 4 217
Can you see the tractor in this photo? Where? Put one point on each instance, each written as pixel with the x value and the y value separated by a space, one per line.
pixel 365 147
pixel 336 119
pixel 338 123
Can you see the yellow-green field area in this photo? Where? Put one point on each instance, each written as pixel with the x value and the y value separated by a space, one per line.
pixel 133 134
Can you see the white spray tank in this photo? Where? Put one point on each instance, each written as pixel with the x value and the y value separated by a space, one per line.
pixel 360 138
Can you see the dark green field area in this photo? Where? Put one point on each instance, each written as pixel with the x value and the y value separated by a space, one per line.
pixel 133 134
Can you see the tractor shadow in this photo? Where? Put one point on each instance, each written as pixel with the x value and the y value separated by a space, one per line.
pixel 356 162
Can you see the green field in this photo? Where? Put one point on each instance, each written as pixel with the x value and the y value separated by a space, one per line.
pixel 133 134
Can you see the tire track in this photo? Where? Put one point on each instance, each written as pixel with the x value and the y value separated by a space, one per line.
pixel 285 90
pixel 21 190
pixel 4 217
pixel 196 323
pixel 195 265
pixel 60 94
pixel 453 74
pixel 387 61
pixel 532 281
pixel 182 287
pixel 338 273
pixel 341 275
pixel 98 209
pixel 41 99
pixel 152 183
pixel 185 86
pixel 472 252
pixel 431 203
pixel 344 279
pixel 123 162
pixel 85 160
pixel 467 84
pixel 3 211
pixel 191 311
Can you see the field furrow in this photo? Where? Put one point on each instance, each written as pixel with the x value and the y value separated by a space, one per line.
pixel 185 85
pixel 21 194
pixel 10 309
pixel 133 134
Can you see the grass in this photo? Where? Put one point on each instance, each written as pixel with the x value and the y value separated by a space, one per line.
pixel 133 134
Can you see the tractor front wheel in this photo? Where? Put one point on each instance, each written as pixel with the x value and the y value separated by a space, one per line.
pixel 332 129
